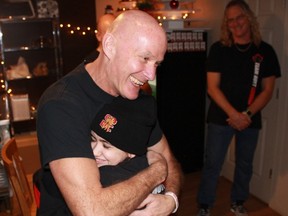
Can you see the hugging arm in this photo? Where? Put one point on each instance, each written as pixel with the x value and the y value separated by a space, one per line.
pixel 163 205
pixel 79 182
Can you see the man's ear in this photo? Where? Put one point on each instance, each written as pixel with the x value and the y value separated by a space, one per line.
pixel 108 43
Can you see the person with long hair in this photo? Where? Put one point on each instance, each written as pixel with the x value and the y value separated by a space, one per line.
pixel 241 73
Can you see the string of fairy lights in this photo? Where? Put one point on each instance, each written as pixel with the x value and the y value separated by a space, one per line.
pixel 77 29
pixel 71 29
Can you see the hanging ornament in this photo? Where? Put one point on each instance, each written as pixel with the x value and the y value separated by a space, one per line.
pixel 174 4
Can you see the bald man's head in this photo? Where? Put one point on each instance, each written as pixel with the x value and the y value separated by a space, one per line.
pixel 132 48
pixel 133 25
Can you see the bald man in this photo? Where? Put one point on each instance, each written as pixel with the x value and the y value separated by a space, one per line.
pixel 132 49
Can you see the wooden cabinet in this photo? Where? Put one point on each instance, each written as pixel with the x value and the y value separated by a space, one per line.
pixel 30 62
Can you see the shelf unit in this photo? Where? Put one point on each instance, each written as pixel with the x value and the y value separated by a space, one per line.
pixel 30 55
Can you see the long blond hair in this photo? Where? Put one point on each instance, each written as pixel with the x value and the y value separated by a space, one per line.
pixel 226 35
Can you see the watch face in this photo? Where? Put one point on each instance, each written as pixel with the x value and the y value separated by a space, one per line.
pixel 249 113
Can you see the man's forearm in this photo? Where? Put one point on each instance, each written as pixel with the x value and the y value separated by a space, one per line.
pixel 175 176
pixel 86 196
pixel 132 191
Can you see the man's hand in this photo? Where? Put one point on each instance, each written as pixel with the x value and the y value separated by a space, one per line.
pixel 155 205
pixel 239 121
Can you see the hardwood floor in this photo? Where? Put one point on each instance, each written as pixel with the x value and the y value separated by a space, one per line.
pixel 188 205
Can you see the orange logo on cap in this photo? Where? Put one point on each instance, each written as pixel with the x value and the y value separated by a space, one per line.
pixel 108 123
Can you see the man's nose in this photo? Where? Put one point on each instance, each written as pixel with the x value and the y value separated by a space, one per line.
pixel 150 72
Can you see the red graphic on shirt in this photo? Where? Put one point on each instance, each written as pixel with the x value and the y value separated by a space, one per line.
pixel 257 58
pixel 108 123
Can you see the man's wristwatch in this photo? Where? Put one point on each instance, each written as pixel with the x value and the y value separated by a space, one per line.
pixel 249 113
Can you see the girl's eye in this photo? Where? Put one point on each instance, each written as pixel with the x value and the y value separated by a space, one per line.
pixel 94 142
pixel 107 145
pixel 93 139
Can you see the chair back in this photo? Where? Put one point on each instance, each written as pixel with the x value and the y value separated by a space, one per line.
pixel 15 170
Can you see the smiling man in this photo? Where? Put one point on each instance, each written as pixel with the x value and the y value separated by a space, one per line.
pixel 132 48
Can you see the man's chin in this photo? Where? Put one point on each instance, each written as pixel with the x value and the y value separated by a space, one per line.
pixel 132 95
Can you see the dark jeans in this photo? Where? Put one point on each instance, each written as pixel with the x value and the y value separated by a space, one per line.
pixel 218 139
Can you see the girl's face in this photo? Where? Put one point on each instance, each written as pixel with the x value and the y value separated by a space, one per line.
pixel 105 153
